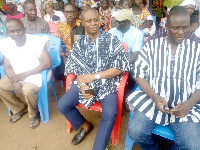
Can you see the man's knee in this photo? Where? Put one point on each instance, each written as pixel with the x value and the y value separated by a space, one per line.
pixel 110 107
pixel 61 106
pixel 29 89
pixel 183 130
pixel 5 84
pixel 140 127
pixel 135 131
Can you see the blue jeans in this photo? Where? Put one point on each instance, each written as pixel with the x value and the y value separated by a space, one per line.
pixel 70 99
pixel 186 134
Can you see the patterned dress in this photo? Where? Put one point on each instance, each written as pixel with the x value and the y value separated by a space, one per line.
pixel 105 16
pixel 175 78
pixel 88 58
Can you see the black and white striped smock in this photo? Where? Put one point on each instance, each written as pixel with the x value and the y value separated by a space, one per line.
pixel 83 57
pixel 174 78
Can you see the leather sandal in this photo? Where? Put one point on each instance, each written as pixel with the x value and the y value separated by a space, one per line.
pixel 18 115
pixel 34 122
pixel 78 138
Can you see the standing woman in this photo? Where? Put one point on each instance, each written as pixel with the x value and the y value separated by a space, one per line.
pixel 142 17
pixel 53 16
pixel 13 13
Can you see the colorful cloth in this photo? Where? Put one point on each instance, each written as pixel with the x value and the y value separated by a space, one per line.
pixel 64 33
pixel 88 58
pixel 175 78
pixel 48 2
pixel 139 19
pixel 105 15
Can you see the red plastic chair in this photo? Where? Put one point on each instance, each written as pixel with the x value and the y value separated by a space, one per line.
pixel 97 106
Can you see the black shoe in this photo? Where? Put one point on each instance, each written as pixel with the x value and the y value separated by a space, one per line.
pixel 78 138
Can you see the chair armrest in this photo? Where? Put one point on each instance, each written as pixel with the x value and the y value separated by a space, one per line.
pixel 69 79
pixel 123 81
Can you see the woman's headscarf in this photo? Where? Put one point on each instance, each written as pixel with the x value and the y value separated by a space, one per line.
pixel 11 1
pixel 48 2
pixel 85 2
pixel 187 2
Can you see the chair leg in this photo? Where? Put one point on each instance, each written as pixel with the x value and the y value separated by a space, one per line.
pixel 61 83
pixel 116 128
pixel 9 112
pixel 54 90
pixel 128 142
pixel 41 107
pixel 68 126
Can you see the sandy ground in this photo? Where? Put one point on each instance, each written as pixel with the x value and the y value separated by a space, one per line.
pixel 52 135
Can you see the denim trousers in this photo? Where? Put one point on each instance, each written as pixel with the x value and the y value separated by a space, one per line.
pixel 186 134
pixel 70 99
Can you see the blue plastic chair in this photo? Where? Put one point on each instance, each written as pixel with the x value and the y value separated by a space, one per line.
pixel 154 19
pixel 163 131
pixel 54 52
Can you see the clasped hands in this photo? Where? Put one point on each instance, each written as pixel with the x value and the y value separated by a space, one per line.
pixel 15 80
pixel 85 79
pixel 179 110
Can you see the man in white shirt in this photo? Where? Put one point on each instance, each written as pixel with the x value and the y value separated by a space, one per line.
pixel 23 61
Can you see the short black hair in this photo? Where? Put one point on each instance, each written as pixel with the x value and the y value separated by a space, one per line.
pixel 14 20
pixel 177 11
pixel 60 1
pixel 70 4
pixel 27 2
pixel 88 9
pixel 122 1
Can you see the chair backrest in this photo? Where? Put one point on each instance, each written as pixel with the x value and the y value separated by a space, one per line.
pixel 125 46
pixel 154 19
pixel 53 28
pixel 54 50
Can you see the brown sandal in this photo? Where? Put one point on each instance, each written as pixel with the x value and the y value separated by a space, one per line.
pixel 34 122
pixel 18 115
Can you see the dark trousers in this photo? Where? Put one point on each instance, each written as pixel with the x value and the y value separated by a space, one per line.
pixel 59 71
pixel 70 99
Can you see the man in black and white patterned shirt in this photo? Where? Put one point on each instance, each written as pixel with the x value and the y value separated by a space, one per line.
pixel 98 59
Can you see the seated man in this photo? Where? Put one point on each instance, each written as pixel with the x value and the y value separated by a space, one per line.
pixel 32 22
pixel 168 72
pixel 67 32
pixel 98 60
pixel 128 34
pixel 23 61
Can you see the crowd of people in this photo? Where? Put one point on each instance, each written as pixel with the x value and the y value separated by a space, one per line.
pixel 163 58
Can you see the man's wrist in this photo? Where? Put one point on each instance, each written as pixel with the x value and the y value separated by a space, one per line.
pixel 81 84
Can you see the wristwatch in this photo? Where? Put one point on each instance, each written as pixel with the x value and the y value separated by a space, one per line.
pixel 97 76
pixel 81 84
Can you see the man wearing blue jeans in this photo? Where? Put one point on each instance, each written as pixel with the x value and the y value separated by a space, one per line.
pixel 98 59
pixel 168 72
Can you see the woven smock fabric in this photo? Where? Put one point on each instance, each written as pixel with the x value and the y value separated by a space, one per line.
pixel 83 57
pixel 175 78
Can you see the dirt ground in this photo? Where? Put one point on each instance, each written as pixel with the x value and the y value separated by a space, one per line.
pixel 52 135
